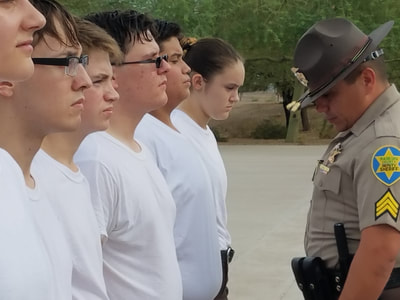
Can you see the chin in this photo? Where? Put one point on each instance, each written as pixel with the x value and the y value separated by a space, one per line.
pixel 221 117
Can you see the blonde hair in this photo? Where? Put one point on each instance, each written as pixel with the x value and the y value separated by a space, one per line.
pixel 93 37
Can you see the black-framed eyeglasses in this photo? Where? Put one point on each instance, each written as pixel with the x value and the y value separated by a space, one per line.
pixel 71 63
pixel 157 61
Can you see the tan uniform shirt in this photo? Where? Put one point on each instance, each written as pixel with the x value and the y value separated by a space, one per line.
pixel 357 181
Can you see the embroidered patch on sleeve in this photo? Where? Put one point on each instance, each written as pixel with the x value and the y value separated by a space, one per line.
pixel 387 204
pixel 385 164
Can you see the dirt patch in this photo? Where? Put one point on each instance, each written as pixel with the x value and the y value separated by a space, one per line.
pixel 256 107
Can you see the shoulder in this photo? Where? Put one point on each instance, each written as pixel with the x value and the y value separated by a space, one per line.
pixel 388 123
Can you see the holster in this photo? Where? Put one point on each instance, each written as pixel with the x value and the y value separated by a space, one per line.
pixel 312 278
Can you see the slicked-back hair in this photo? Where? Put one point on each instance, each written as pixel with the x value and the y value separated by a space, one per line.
pixel 126 27
pixel 55 13
pixel 167 30
pixel 210 56
pixel 93 37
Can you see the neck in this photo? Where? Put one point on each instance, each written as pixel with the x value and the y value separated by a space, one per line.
pixel 164 115
pixel 20 141
pixel 62 147
pixel 192 108
pixel 122 127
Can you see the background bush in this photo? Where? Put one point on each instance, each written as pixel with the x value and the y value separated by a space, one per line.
pixel 269 130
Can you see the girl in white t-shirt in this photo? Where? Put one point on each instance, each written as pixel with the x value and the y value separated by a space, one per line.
pixel 217 73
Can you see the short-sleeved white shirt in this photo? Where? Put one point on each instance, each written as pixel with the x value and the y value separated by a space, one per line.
pixel 25 270
pixel 139 213
pixel 69 195
pixel 195 229
pixel 206 144
pixel 53 236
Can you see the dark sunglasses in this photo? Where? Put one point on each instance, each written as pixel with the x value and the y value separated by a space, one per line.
pixel 157 61
pixel 70 62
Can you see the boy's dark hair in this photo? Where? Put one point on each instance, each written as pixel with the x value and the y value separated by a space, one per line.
pixel 55 13
pixel 167 30
pixel 126 27
pixel 209 56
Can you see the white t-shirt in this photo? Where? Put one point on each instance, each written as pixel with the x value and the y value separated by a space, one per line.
pixel 54 239
pixel 69 195
pixel 25 270
pixel 195 229
pixel 139 213
pixel 206 144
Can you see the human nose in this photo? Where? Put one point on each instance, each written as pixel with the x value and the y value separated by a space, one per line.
pixel 186 68
pixel 111 94
pixel 164 67
pixel 33 20
pixel 81 80
pixel 235 97
pixel 114 82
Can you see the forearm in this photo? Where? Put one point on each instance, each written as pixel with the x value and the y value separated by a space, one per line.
pixel 372 264
pixel 367 277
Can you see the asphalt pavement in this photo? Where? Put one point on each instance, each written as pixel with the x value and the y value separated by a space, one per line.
pixel 269 189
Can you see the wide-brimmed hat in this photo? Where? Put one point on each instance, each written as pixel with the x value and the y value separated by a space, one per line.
pixel 330 50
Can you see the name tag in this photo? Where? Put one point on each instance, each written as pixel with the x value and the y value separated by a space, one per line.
pixel 324 169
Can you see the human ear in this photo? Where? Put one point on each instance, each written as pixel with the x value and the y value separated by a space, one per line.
pixel 368 77
pixel 197 81
pixel 6 88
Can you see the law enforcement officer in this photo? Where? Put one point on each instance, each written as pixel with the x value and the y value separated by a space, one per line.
pixel 356 182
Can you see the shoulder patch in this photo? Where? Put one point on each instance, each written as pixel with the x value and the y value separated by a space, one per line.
pixel 385 164
pixel 387 204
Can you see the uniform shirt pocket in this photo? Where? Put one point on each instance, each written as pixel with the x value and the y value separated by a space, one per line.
pixel 328 181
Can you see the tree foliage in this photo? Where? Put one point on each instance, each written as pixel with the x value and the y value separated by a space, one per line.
pixel 264 31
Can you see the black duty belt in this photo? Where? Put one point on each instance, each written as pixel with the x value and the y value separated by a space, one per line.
pixel 393 282
pixel 394 279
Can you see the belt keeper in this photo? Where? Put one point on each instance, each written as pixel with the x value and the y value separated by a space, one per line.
pixel 229 254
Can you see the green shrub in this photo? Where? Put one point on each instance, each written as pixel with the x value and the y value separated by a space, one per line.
pixel 269 130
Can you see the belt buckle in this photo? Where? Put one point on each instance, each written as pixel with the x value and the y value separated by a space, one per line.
pixel 229 254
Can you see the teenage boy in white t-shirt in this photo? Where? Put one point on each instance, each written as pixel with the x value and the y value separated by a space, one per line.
pixel 23 259
pixel 195 231
pixel 64 184
pixel 50 101
pixel 139 212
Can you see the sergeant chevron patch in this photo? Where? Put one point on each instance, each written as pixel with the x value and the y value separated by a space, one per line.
pixel 387 204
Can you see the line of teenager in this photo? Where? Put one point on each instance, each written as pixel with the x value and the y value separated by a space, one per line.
pixel 112 184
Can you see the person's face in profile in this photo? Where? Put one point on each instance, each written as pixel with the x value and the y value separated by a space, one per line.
pixel 221 92
pixel 18 21
pixel 53 98
pixel 178 79
pixel 143 83
pixel 100 97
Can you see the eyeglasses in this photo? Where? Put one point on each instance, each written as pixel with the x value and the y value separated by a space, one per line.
pixel 157 61
pixel 70 62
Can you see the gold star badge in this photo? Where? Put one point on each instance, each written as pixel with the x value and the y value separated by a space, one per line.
pixel 388 163
pixel 385 164
pixel 387 204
